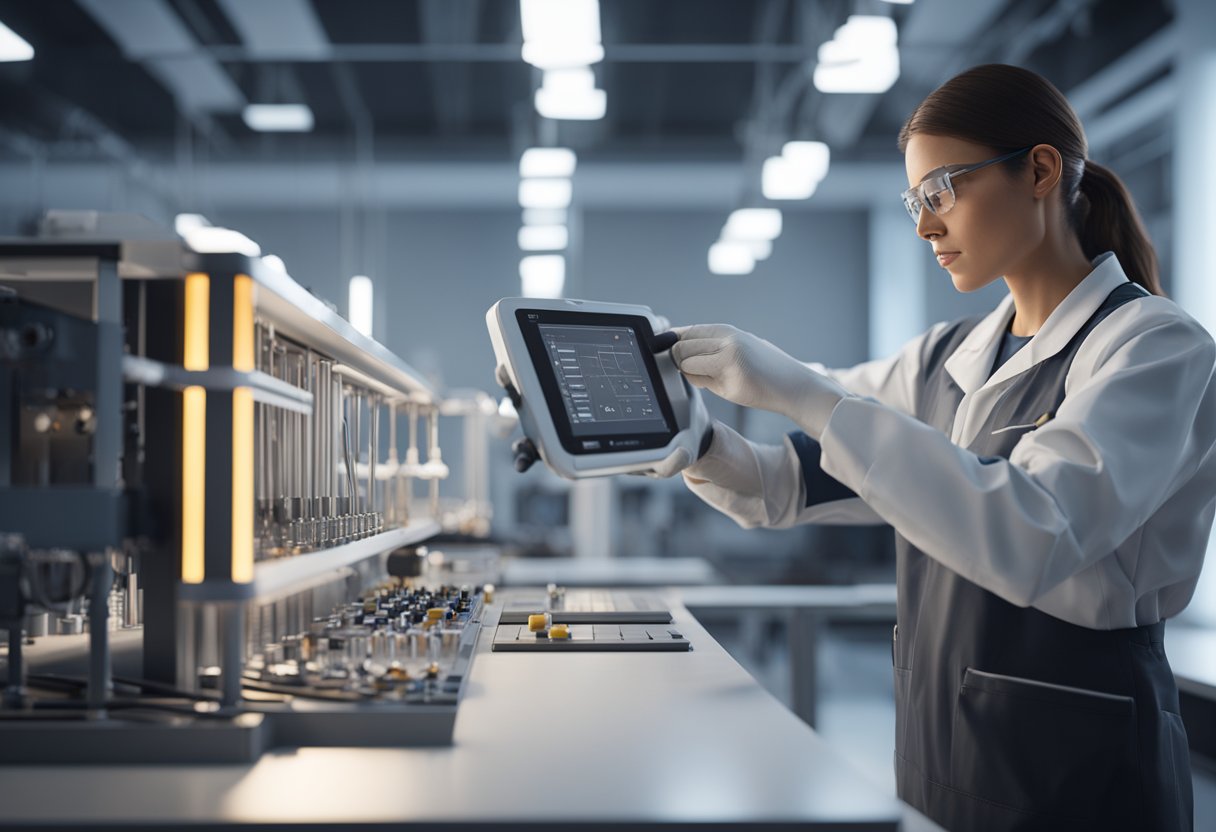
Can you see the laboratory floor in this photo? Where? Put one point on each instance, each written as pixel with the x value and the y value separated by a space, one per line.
pixel 856 710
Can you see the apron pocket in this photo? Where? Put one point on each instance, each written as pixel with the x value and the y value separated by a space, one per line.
pixel 1041 747
pixel 903 683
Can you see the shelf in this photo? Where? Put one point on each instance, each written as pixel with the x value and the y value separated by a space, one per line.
pixel 279 577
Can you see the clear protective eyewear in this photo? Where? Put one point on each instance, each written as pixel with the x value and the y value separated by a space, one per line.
pixel 936 191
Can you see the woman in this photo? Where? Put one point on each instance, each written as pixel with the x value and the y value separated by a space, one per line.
pixel 1048 469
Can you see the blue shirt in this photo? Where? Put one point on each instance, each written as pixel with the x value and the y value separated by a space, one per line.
pixel 1010 344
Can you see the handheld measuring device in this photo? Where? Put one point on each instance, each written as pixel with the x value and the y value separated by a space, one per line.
pixel 597 399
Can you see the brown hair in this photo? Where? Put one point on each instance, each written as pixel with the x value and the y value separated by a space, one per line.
pixel 1006 108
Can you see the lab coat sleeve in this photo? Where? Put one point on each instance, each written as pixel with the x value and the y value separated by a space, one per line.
pixel 894 380
pixel 759 485
pixel 1137 426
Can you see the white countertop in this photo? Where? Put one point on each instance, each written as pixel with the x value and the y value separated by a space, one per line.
pixel 653 739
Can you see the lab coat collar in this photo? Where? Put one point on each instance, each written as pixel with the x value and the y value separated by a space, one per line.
pixel 970 363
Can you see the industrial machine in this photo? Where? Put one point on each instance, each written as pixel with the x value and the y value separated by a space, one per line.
pixel 210 476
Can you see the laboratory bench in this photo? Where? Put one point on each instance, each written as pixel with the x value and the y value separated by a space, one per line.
pixel 652 740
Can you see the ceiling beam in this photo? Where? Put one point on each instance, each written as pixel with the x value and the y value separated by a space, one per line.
pixel 473 185
pixel 510 52
pixel 150 33
pixel 279 30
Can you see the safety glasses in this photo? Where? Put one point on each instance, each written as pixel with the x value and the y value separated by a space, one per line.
pixel 936 191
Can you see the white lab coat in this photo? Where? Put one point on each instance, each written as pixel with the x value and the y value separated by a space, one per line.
pixel 1100 517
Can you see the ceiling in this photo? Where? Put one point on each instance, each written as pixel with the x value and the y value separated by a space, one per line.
pixel 409 79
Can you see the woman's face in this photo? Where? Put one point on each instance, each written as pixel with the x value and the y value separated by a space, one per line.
pixel 995 221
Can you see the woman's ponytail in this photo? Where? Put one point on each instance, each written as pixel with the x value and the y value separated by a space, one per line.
pixel 1107 221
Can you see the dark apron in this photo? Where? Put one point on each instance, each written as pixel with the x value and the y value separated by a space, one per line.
pixel 1008 718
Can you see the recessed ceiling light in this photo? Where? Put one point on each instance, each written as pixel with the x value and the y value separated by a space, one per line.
pixel 278 118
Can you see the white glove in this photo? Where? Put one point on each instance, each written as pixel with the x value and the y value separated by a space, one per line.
pixel 747 370
pixel 753 484
pixel 681 458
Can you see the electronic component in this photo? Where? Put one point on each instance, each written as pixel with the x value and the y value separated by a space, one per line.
pixel 395 643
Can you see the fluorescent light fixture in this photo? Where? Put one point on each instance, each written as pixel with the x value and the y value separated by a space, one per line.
pixel 547 161
pixel 545 193
pixel 561 33
pixel 571 94
pixel 544 216
pixel 761 249
pixel 275 262
pixel 899 2
pixel 13 47
pixel 213 240
pixel 278 118
pixel 753 224
pixel 184 222
pixel 360 299
pixel 729 257
pixel 862 57
pixel 543 238
pixel 873 75
pixel 781 178
pixel 542 275
pixel 867 32
pixel 203 237
pixel 811 159
pixel 588 106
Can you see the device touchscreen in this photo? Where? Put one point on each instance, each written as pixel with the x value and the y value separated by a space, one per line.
pixel 600 381
pixel 604 384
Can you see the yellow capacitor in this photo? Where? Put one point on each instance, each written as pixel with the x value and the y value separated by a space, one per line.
pixel 539 622
pixel 436 613
pixel 559 631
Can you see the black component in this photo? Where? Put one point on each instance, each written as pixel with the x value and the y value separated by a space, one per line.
pixel 526 454
pixel 663 342
pixel 48 386
pixel 406 562
pixel 513 395
pixel 706 440
pixel 12 611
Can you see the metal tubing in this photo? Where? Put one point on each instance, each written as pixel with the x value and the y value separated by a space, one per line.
pixel 373 403
pixel 100 682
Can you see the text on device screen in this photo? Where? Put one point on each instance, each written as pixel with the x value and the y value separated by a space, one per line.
pixel 603 380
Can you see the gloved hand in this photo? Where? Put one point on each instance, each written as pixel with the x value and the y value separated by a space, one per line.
pixel 526 453
pixel 680 458
pixel 747 370
pixel 753 484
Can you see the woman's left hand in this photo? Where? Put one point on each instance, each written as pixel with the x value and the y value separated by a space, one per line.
pixel 747 370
